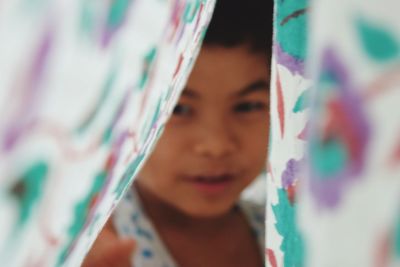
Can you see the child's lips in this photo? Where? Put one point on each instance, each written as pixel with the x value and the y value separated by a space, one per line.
pixel 211 184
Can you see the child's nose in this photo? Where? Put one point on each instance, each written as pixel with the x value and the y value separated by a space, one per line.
pixel 216 140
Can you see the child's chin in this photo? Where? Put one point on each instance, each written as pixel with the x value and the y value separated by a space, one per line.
pixel 208 212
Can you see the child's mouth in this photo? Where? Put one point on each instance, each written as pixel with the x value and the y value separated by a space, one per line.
pixel 212 184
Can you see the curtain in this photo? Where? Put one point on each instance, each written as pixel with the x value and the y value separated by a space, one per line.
pixel 85 89
pixel 334 179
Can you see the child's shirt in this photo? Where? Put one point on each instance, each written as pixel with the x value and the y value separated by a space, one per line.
pixel 130 220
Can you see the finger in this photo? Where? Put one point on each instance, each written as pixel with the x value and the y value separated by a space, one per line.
pixel 113 253
pixel 119 253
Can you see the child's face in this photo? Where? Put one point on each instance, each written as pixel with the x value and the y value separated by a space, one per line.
pixel 215 144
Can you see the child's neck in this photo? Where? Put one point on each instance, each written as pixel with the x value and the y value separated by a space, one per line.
pixel 196 241
pixel 162 213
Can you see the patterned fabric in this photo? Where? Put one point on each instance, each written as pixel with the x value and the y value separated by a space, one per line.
pixel 349 206
pixel 333 199
pixel 87 85
pixel 85 89
pixel 131 221
pixel 289 114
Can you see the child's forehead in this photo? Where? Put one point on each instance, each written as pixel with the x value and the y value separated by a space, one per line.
pixel 243 50
pixel 227 71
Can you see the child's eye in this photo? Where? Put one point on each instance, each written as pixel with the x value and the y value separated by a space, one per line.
pixel 250 107
pixel 182 110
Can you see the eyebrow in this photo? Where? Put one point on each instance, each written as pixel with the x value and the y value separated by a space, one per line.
pixel 190 93
pixel 260 85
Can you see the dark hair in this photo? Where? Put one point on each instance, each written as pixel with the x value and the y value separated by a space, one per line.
pixel 237 22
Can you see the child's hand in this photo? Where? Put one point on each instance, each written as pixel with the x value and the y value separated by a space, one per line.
pixel 109 250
